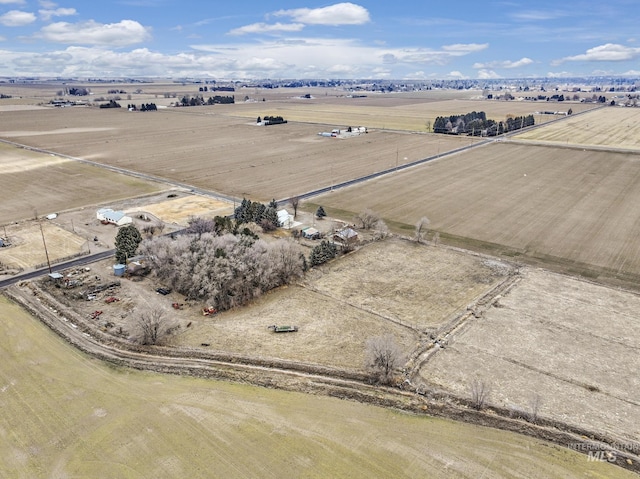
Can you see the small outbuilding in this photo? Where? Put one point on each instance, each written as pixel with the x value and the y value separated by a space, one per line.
pixel 346 235
pixel 310 233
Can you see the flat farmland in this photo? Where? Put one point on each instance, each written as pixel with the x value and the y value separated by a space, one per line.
pixel 35 183
pixel 337 307
pixel 67 415
pixel 613 127
pixel 27 246
pixel 200 147
pixel 576 208
pixel 572 342
pixel 401 112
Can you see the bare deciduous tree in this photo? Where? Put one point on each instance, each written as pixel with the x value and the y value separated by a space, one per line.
pixel 380 230
pixel 152 327
pixel 383 356
pixel 479 393
pixel 422 229
pixel 367 218
pixel 295 201
pixel 535 403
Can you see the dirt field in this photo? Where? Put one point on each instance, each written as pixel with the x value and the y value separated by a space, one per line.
pixel 614 127
pixel 577 346
pixel 38 184
pixel 575 208
pixel 207 149
pixel 70 416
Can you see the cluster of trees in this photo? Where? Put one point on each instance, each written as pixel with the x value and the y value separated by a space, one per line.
pixel 217 88
pixel 199 100
pixel 266 216
pixel 322 253
pixel 77 91
pixel 143 107
pixel 272 120
pixel 111 104
pixel 224 271
pixel 127 241
pixel 477 124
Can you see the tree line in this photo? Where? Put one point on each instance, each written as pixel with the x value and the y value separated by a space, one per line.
pixel 477 124
pixel 143 107
pixel 198 100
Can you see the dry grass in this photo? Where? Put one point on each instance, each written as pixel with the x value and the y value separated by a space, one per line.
pixel 576 208
pixel 613 127
pixel 35 183
pixel 576 346
pixel 69 416
pixel 27 246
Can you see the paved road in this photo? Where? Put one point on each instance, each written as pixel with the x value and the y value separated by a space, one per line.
pixel 81 261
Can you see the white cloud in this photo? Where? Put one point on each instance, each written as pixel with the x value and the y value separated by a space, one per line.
pixel 487 74
pixel 459 49
pixel 560 74
pixel 632 73
pixel 47 14
pixel 609 52
pixel 12 2
pixel 537 15
pixel 17 18
pixel 337 14
pixel 504 64
pixel 125 32
pixel 430 56
pixel 456 75
pixel 267 28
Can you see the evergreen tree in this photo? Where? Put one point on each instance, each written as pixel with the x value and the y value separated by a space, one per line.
pixel 127 241
pixel 322 253
pixel 320 212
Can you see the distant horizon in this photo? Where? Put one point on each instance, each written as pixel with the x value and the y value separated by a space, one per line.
pixel 588 79
pixel 497 39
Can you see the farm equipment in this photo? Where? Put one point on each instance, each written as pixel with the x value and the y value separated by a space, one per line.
pixel 284 329
pixel 209 311
pixel 111 299
pixel 177 305
pixel 95 314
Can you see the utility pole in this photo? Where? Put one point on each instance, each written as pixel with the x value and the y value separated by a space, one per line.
pixel 45 248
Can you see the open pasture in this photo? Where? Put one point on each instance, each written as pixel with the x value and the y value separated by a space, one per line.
pixel 612 127
pixel 341 305
pixel 573 343
pixel 201 147
pixel 180 210
pixel 575 208
pixel 35 183
pixel 67 415
pixel 27 245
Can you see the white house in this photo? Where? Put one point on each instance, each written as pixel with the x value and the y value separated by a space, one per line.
pixel 107 215
pixel 285 219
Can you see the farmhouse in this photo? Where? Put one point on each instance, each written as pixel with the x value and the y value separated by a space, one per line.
pixel 108 216
pixel 285 219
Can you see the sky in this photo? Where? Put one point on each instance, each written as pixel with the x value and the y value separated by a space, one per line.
pixel 314 39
